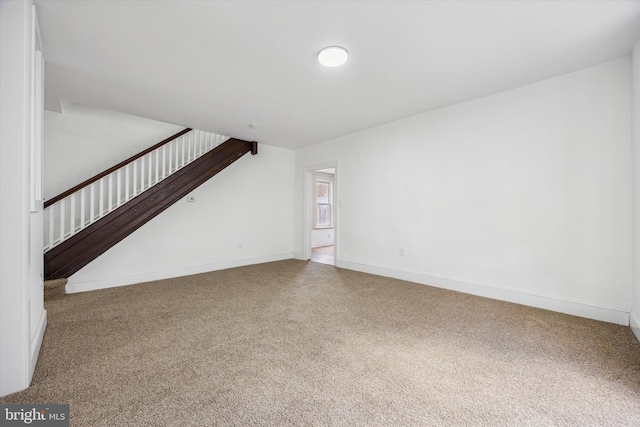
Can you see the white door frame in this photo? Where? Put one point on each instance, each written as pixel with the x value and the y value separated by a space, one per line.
pixel 308 212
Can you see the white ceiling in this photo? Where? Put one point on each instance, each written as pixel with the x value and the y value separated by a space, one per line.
pixel 221 66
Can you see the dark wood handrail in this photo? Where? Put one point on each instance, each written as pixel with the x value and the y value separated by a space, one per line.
pixel 112 169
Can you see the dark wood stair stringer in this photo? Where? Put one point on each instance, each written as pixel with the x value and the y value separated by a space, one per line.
pixel 71 255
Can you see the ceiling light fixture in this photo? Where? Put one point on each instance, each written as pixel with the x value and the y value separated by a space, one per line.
pixel 333 56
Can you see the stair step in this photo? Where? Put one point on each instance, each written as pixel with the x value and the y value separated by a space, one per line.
pixel 54 289
pixel 54 284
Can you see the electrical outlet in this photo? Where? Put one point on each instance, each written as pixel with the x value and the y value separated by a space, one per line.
pixel 401 251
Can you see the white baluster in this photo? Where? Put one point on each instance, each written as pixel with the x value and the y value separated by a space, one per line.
pixel 153 167
pixel 126 182
pixel 195 146
pixel 72 212
pixel 62 219
pixel 45 228
pixel 51 227
pixel 139 180
pixel 164 161
pixel 189 146
pixel 110 204
pixel 175 153
pixel 168 159
pixel 118 187
pixel 141 177
pixel 182 148
pixel 82 207
pixel 134 181
pixel 148 166
pixel 101 194
pixel 92 202
pixel 142 174
pixel 173 148
pixel 185 149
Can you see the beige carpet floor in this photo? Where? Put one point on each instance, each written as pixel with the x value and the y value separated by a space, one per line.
pixel 295 343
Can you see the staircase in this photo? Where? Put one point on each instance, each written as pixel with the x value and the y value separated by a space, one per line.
pixel 85 221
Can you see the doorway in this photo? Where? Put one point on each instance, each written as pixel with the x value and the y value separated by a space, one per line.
pixel 321 219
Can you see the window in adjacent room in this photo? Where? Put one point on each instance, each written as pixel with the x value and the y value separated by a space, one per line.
pixel 324 211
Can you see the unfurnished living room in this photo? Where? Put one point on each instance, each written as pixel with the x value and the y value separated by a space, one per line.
pixel 305 213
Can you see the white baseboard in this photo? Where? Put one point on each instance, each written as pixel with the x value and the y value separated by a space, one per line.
pixel 36 342
pixel 299 255
pixel 618 315
pixel 635 323
pixel 112 282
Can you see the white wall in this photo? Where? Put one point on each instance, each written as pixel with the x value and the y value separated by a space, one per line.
pixel 241 216
pixel 321 237
pixel 522 196
pixel 635 314
pixel 84 141
pixel 22 315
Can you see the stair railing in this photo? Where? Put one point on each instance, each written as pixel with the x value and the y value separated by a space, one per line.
pixel 82 205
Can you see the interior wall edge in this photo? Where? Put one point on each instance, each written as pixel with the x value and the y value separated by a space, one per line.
pixel 634 321
pixel 36 341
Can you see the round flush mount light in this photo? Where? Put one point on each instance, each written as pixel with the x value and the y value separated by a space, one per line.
pixel 333 56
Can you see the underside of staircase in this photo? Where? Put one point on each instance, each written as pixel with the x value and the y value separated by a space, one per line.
pixel 68 257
